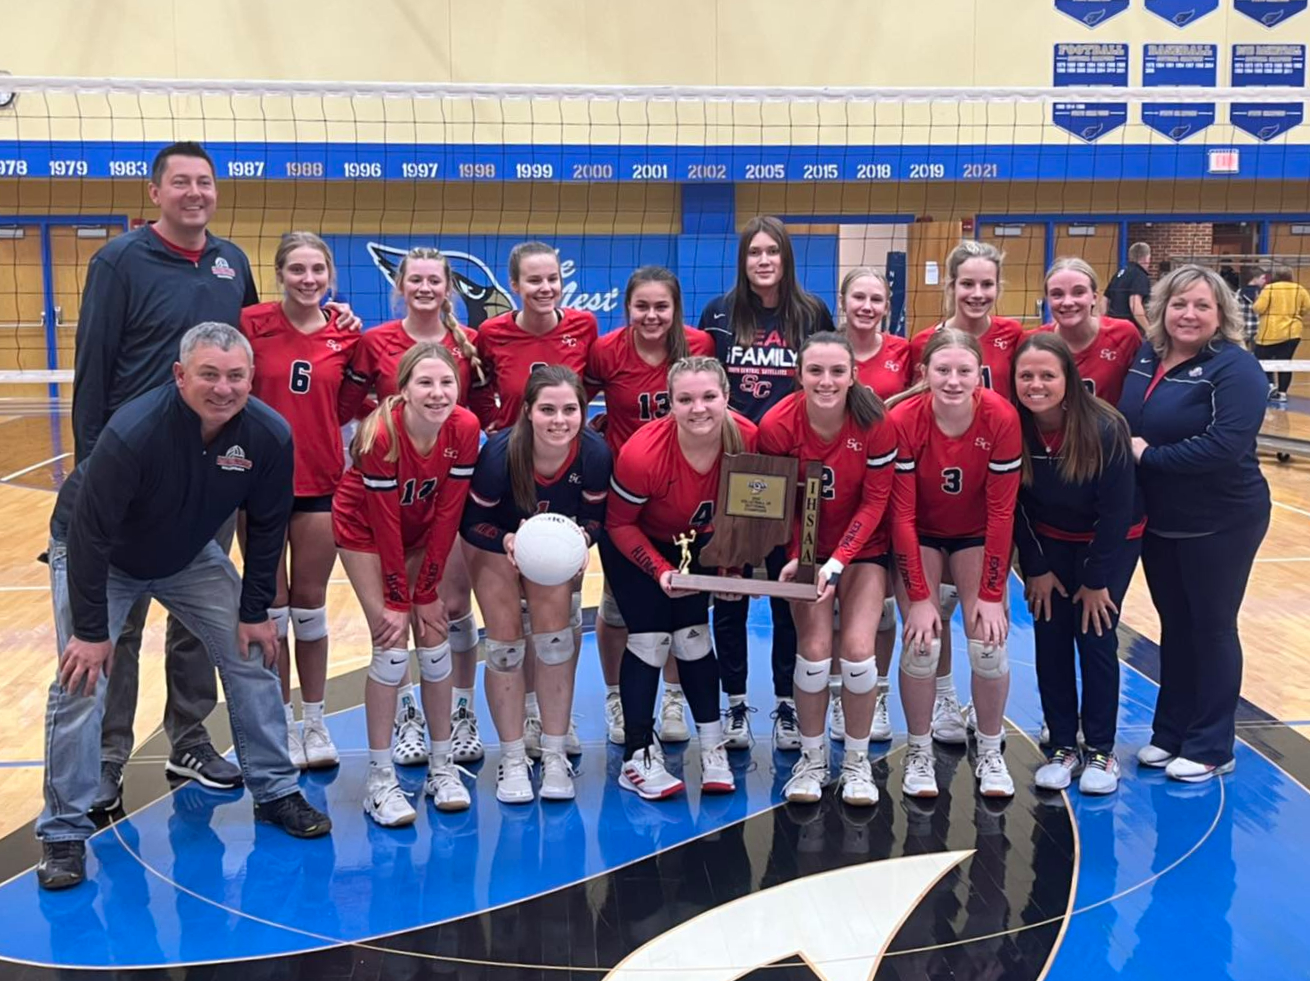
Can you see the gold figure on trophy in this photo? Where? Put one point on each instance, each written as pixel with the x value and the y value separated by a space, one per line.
pixel 684 542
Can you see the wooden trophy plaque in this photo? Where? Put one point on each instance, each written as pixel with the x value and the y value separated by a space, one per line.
pixel 754 515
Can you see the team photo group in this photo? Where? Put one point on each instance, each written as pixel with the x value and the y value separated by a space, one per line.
pixel 484 464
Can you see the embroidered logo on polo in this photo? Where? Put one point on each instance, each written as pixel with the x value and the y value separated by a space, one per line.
pixel 234 459
pixel 222 269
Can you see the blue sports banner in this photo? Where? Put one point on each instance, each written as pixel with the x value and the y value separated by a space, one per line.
pixel 594 270
pixel 1089 121
pixel 1180 64
pixel 1182 13
pixel 1266 120
pixel 1268 64
pixel 1178 121
pixel 1091 13
pixel 1084 63
pixel 1270 13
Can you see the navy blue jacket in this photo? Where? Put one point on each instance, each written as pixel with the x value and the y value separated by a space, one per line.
pixel 1201 473
pixel 579 491
pixel 1105 508
pixel 140 298
pixel 763 374
pixel 153 495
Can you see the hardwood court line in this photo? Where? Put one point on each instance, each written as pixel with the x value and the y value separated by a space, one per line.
pixel 1289 507
pixel 35 466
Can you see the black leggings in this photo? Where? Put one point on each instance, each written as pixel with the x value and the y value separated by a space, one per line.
pixel 1282 351
pixel 730 636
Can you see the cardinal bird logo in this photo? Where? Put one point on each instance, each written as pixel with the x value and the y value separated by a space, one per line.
pixel 472 278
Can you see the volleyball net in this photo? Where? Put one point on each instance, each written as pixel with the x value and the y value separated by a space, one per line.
pixel 616 178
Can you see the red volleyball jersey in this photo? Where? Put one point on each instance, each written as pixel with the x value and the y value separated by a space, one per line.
pixel 377 358
pixel 635 392
pixel 957 487
pixel 658 495
pixel 1103 364
pixel 509 353
pixel 414 501
pixel 998 344
pixel 891 370
pixel 300 376
pixel 857 478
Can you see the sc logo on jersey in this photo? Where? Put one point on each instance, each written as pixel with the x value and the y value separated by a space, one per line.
pixel 753 384
pixel 855 444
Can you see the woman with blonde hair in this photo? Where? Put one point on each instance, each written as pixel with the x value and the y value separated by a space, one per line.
pixel 1195 401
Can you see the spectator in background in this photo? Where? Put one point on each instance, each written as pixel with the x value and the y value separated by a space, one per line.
pixel 1130 288
pixel 1282 306
pixel 1254 279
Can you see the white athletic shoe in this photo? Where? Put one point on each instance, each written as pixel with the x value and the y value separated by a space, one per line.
pixel 856 781
pixel 737 726
pixel 572 744
pixel 1057 773
pixel 808 777
pixel 532 736
pixel 715 774
pixel 1153 756
pixel 1100 775
pixel 1190 771
pixel 514 781
pixel 881 730
pixel 614 718
pixel 837 720
pixel 466 744
pixel 920 778
pixel 384 801
pixel 993 775
pixel 296 746
pixel 556 777
pixel 646 777
pixel 948 720
pixel 320 752
pixel 445 787
pixel 410 746
pixel 673 717
pixel 786 731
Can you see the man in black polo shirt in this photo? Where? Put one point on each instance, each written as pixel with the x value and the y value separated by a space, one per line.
pixel 1127 295
pixel 167 471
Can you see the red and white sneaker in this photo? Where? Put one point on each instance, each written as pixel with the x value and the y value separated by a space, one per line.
pixel 646 777
pixel 715 774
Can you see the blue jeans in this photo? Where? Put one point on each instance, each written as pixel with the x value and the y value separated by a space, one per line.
pixel 204 597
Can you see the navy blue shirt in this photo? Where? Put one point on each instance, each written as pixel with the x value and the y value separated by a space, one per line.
pixel 153 495
pixel 140 298
pixel 1200 474
pixel 762 374
pixel 1104 508
pixel 1132 280
pixel 578 491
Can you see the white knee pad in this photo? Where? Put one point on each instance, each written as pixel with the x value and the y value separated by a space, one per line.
pixel 281 617
pixel 921 664
pixel 888 619
pixel 504 655
pixel 858 677
pixel 692 643
pixel 434 663
pixel 811 676
pixel 651 648
pixel 309 623
pixel 988 662
pixel 390 666
pixel 949 597
pixel 554 648
pixel 463 634
pixel 609 612
pixel 575 611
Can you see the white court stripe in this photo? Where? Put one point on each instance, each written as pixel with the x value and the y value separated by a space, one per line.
pixel 1286 507
pixel 1299 558
pixel 35 466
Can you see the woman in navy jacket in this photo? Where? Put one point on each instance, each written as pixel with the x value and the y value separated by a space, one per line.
pixel 1078 530
pixel 1195 400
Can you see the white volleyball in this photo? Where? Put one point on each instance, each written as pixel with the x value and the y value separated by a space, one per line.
pixel 549 549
